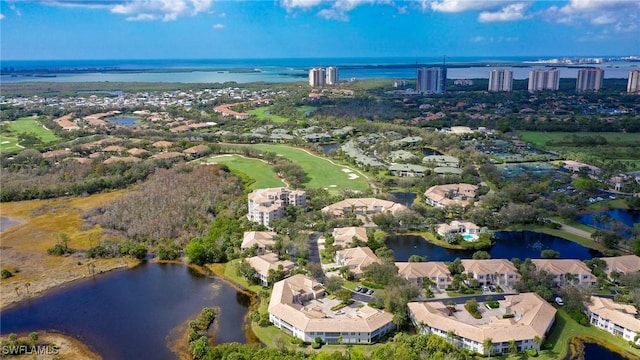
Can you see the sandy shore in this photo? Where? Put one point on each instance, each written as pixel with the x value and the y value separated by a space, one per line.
pixel 52 345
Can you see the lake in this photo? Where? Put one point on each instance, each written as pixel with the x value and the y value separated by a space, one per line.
pixel 131 314
pixel 509 244
pixel 593 351
pixel 328 147
pixel 404 198
pixel 617 220
pixel 123 121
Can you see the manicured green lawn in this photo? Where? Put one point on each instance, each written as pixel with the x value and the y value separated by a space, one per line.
pixel 261 113
pixel 321 172
pixel 566 328
pixel 261 172
pixel 30 124
pixel 608 204
pixel 560 233
pixel 9 144
pixel 304 109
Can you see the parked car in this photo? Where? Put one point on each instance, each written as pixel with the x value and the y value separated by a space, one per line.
pixel 485 288
pixel 364 290
pixel 492 288
pixel 559 300
pixel 370 292
pixel 358 288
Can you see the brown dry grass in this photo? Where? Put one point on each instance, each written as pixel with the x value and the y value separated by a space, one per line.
pixel 24 246
pixel 41 221
pixel 67 347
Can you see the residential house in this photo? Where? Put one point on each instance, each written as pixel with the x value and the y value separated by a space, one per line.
pixel 436 271
pixel 408 170
pixel 262 240
pixel 299 308
pixel 363 206
pixel 529 317
pixel 345 236
pixel 356 259
pixel 566 271
pixel 449 195
pixel 467 229
pixel 269 262
pixel 492 271
pixel 618 319
pixel 622 264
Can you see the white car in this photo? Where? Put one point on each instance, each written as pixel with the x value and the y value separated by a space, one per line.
pixel 559 301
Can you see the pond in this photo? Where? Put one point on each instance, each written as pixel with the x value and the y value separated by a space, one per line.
pixel 404 198
pixel 593 351
pixel 123 121
pixel 509 245
pixel 133 314
pixel 429 151
pixel 328 147
pixel 620 221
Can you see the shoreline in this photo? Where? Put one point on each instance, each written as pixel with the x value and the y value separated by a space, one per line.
pixel 64 346
pixel 8 303
pixel 576 347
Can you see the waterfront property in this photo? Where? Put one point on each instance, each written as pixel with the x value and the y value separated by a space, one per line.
pixel 566 271
pixel 407 170
pixel 467 229
pixel 262 240
pixel 363 206
pixel 449 195
pixel 491 271
pixel 356 259
pixel 298 307
pixel 266 205
pixel 520 318
pixel 622 264
pixel 267 263
pixel 617 319
pixel 345 236
pixel 416 273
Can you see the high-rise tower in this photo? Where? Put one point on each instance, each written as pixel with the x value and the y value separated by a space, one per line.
pixel 500 80
pixel 431 80
pixel 544 79
pixel 316 77
pixel 589 80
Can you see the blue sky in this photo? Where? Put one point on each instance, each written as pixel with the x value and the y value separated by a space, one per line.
pixel 160 29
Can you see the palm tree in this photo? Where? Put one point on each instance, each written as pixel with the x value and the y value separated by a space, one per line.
pixel 451 336
pixel 538 340
pixel 513 347
pixel 487 344
pixel 26 285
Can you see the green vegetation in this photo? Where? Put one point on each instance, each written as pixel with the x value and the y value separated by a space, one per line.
pixel 258 171
pixel 31 125
pixel 9 144
pixel 320 171
pixel 263 113
pixel 544 139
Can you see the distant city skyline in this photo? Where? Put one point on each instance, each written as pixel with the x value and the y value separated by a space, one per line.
pixel 208 29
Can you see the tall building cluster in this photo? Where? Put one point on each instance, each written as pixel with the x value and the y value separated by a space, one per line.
pixel 544 79
pixel 633 84
pixel 431 80
pixel 500 80
pixel 320 76
pixel 589 80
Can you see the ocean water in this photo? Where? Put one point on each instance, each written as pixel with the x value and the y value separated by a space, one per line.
pixel 271 70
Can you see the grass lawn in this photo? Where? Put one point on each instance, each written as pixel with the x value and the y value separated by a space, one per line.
pixel 304 109
pixel 320 171
pixel 586 242
pixel 263 113
pixel 30 124
pixel 255 169
pixel 9 144
pixel 608 204
pixel 566 328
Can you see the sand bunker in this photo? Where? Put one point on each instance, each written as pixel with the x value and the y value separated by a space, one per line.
pixel 353 176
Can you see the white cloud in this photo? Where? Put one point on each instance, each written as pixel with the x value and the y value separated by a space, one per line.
pixel 610 15
pixel 140 10
pixel 510 12
pixel 1 16
pixel 454 6
pixel 218 26
pixel 303 4
pixel 491 39
pixel 603 19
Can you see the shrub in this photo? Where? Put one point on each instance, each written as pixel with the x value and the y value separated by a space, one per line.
pixel 508 316
pixel 532 352
pixel 372 285
pixel 492 304
pixel 315 345
pixel 6 274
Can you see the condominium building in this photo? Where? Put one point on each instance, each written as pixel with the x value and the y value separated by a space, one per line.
pixel 431 80
pixel 298 306
pixel 316 77
pixel 500 80
pixel 544 79
pixel 589 80
pixel 332 75
pixel 617 319
pixel 520 318
pixel 633 84
pixel 266 205
pixel 566 271
pixel 435 271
